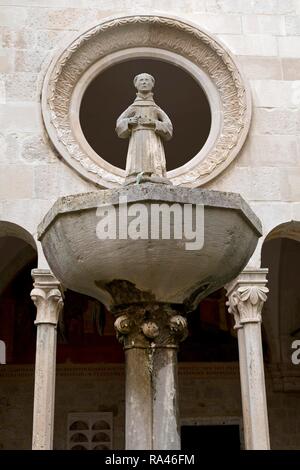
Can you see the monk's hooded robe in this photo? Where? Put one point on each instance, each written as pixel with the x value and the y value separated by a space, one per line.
pixel 145 151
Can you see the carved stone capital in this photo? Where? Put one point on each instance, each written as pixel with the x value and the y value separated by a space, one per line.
pixel 47 296
pixel 153 326
pixel 232 304
pixel 246 296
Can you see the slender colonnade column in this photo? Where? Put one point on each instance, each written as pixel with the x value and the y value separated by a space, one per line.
pixel 151 335
pixel 246 296
pixel 48 298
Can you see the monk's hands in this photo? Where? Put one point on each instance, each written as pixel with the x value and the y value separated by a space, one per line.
pixel 147 122
pixel 133 121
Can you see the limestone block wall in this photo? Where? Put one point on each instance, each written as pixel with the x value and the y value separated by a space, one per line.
pixel 264 36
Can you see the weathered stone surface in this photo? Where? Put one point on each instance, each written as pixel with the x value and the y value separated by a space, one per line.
pixel 151 335
pixel 23 38
pixel 292 25
pixel 7 60
pixel 219 23
pixel 21 86
pixel 289 46
pixel 93 277
pixel 244 159
pixel 257 7
pixel 279 151
pixel 16 181
pixel 166 433
pixel 24 212
pixel 275 121
pixel 45 180
pixel 290 184
pixel 138 410
pixel 261 68
pixel 9 148
pixel 30 60
pixel 20 116
pixel 36 149
pixel 57 18
pixel 296 211
pixel 265 184
pixel 263 24
pixel 50 38
pixel 272 214
pixel 276 93
pixel 290 69
pixel 13 16
pixel 69 181
pixel 257 45
pixel 2 91
pixel 237 178
pixel 251 182
pixel 149 326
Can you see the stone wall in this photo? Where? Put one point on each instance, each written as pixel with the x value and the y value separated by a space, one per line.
pixel 265 37
pixel 209 393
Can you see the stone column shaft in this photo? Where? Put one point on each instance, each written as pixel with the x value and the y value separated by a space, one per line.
pixel 244 386
pixel 47 297
pixel 150 336
pixel 166 429
pixel 259 437
pixel 138 413
pixel 247 295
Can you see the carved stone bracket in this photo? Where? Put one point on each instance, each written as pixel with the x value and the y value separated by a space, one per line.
pixel 246 296
pixel 47 297
pixel 154 326
pixel 167 37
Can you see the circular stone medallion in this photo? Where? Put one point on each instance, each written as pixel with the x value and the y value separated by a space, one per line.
pixel 164 38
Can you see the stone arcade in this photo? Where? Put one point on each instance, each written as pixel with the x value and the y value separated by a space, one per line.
pixel 187 321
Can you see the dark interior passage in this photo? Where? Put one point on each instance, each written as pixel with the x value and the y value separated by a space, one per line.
pixel 207 438
pixel 175 91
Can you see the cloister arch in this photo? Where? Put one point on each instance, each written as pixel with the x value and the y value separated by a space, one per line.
pixel 17 248
pixel 18 255
pixel 281 314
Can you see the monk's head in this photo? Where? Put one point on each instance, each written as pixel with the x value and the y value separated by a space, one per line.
pixel 143 82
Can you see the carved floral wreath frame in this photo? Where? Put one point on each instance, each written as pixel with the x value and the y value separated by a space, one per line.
pixel 165 37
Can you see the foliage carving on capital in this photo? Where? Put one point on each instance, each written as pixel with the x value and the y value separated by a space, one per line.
pixel 49 304
pixel 150 327
pixel 47 296
pixel 178 327
pixel 232 304
pixel 246 303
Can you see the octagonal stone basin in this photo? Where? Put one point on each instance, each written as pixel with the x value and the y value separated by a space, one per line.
pixel 119 272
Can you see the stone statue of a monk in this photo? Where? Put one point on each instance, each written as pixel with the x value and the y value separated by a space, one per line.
pixel 146 125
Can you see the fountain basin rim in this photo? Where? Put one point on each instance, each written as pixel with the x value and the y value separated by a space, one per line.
pixel 149 192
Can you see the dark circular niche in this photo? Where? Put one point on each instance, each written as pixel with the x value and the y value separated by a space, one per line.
pixel 175 91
